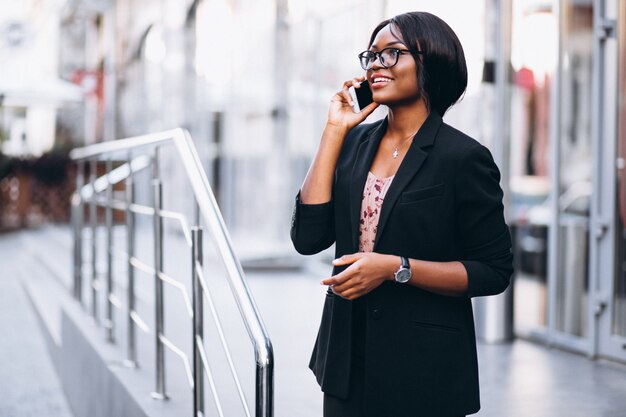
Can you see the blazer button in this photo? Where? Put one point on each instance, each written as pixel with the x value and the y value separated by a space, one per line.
pixel 377 313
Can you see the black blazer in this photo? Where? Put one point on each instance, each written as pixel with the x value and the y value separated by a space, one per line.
pixel 444 204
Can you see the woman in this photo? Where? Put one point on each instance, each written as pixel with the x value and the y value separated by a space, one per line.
pixel 414 208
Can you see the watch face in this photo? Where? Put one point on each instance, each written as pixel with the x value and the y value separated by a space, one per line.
pixel 403 275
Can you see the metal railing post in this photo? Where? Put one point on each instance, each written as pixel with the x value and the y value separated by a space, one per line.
pixel 93 219
pixel 158 284
pixel 131 359
pixel 198 322
pixel 109 323
pixel 265 385
pixel 77 222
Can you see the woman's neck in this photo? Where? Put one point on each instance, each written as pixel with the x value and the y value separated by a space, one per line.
pixel 406 120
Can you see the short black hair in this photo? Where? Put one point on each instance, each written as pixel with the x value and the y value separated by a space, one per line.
pixel 441 68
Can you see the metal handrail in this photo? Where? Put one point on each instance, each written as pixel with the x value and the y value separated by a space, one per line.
pixel 114 176
pixel 209 210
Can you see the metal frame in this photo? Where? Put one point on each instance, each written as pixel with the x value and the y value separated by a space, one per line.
pixel 131 356
pixel 159 321
pixel 555 164
pixel 599 247
pixel 602 228
pixel 108 218
pixel 208 210
pixel 607 39
pixel 198 331
pixel 93 220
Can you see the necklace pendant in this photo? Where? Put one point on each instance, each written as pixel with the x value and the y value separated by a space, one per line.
pixel 395 153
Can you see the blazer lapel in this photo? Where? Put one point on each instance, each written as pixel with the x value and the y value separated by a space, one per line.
pixel 410 165
pixel 364 157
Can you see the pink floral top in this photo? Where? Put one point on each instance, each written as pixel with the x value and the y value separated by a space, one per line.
pixel 372 200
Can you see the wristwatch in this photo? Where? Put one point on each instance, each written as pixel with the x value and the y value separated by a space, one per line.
pixel 403 274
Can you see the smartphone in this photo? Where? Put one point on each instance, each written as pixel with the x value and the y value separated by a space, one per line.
pixel 361 97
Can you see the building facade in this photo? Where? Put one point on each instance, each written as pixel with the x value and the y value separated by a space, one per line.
pixel 251 80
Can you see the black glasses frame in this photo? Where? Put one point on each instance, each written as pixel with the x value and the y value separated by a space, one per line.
pixel 372 56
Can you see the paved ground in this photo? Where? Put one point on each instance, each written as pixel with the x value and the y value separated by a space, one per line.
pixel 28 383
pixel 521 379
pixel 518 379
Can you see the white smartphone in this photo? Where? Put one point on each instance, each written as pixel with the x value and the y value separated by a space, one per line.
pixel 361 97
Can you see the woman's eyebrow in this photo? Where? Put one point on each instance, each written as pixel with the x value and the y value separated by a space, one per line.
pixel 388 44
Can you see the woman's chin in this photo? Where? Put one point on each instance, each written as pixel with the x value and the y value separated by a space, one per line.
pixel 383 99
pixel 394 101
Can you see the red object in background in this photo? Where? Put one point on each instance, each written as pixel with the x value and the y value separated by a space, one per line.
pixel 525 78
pixel 91 81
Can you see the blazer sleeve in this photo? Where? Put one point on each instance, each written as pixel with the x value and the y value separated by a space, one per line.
pixel 484 235
pixel 312 227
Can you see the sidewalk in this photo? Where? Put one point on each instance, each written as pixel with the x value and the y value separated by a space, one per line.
pixel 29 385
pixel 521 379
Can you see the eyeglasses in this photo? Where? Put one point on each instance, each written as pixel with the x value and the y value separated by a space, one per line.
pixel 388 57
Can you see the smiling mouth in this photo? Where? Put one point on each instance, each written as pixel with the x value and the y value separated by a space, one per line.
pixel 380 81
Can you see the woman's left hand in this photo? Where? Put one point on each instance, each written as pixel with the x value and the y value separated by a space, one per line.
pixel 367 271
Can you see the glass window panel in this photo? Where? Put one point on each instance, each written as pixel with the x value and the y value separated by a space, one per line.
pixel 575 168
pixel 533 48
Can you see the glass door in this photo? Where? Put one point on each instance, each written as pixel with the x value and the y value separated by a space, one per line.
pixel 569 276
pixel 551 169
pixel 568 173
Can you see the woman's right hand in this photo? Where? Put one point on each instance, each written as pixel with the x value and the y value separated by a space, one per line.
pixel 318 184
pixel 340 113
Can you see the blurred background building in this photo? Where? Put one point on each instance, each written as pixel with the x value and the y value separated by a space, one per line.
pixel 251 81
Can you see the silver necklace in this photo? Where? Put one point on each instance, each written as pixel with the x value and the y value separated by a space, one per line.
pixel 395 151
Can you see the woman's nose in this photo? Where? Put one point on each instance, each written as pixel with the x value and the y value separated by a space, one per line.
pixel 377 63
